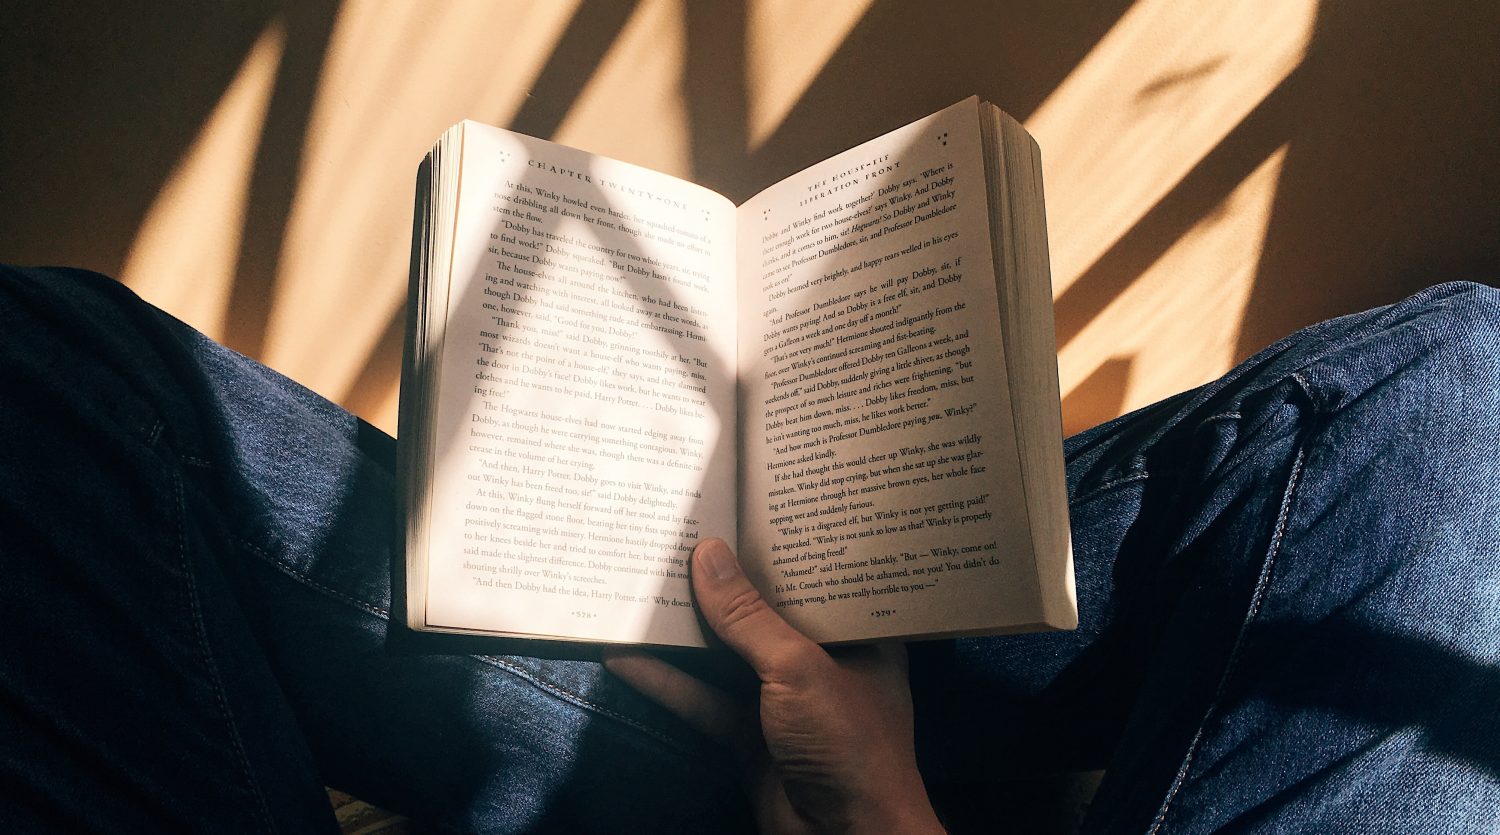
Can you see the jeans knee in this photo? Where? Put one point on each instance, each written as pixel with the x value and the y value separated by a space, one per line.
pixel 1465 327
pixel 1434 356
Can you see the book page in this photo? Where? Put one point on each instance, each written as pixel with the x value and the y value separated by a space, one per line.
pixel 880 485
pixel 586 399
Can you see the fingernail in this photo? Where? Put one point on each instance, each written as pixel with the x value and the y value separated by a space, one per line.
pixel 715 556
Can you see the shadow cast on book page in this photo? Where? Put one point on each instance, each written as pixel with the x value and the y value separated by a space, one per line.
pixel 584 412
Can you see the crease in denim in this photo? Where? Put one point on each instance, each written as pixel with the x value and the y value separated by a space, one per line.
pixel 200 631
pixel 1262 585
pixel 552 688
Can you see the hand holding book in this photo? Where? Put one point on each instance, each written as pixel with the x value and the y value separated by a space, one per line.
pixel 832 750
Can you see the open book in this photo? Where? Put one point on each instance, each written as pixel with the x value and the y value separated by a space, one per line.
pixel 851 378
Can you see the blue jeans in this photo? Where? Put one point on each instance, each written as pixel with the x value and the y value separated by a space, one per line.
pixel 1289 582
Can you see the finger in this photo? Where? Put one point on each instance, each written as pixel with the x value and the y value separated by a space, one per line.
pixel 742 619
pixel 704 707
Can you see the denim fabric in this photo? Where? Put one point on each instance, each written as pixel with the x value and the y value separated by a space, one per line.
pixel 1289 588
pixel 1288 579
pixel 194 598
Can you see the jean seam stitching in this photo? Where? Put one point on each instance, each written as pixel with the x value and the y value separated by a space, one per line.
pixel 1257 599
pixel 569 696
pixel 300 577
pixel 1305 385
pixel 546 686
pixel 1108 485
pixel 201 633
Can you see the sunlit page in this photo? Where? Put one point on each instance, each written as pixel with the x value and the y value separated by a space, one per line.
pixel 586 403
pixel 881 491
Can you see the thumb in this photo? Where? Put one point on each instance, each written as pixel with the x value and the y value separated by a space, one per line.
pixel 744 621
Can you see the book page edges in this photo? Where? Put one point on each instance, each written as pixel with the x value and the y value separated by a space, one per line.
pixel 427 305
pixel 1015 628
pixel 559 639
pixel 1024 286
pixel 410 425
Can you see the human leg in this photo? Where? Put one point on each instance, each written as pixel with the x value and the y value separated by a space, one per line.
pixel 1360 691
pixel 1178 513
pixel 1289 596
pixel 196 606
pixel 128 695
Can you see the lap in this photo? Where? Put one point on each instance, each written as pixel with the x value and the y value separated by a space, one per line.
pixel 197 555
pixel 1258 560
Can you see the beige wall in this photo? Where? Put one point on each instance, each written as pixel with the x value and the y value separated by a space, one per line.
pixel 1218 173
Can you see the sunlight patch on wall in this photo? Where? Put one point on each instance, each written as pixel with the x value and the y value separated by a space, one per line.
pixel 788 43
pixel 1158 92
pixel 184 254
pixel 395 77
pixel 1179 338
pixel 639 82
